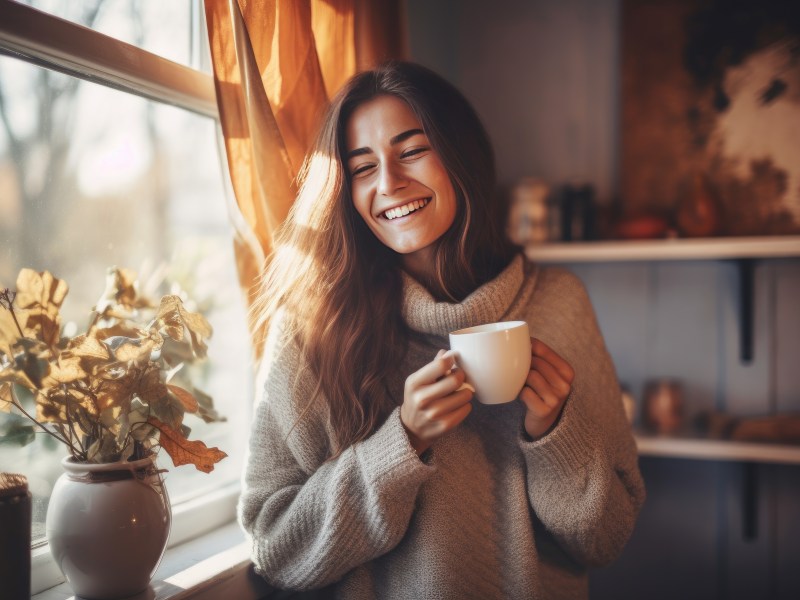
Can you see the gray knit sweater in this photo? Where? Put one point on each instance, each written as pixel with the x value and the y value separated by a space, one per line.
pixel 487 513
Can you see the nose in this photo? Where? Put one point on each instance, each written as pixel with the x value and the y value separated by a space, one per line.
pixel 391 179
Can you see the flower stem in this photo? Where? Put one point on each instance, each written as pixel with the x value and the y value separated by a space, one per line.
pixel 7 301
pixel 15 401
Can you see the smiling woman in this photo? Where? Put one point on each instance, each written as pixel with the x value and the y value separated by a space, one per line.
pixel 365 438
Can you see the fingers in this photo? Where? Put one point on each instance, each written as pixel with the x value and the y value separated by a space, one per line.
pixel 433 404
pixel 434 370
pixel 542 389
pixel 443 387
pixel 552 377
pixel 542 351
pixel 534 403
pixel 442 406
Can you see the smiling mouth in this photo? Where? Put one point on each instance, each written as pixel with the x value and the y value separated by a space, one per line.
pixel 406 209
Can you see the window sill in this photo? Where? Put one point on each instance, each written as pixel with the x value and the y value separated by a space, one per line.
pixel 214 565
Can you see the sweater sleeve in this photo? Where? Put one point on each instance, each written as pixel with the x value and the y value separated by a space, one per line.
pixel 583 477
pixel 312 520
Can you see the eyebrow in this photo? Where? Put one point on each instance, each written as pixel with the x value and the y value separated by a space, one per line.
pixel 400 137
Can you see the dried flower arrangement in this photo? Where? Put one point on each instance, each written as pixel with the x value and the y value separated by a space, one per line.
pixel 119 391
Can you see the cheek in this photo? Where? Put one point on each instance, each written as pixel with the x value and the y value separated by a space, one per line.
pixel 449 200
pixel 360 202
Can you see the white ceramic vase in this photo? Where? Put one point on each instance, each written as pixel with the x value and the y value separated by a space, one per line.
pixel 107 525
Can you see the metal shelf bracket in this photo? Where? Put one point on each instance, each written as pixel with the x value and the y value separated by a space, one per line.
pixel 746 268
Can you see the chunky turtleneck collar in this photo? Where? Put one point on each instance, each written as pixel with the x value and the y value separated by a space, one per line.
pixel 489 303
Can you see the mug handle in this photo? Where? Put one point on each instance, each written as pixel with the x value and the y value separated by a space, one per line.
pixel 465 385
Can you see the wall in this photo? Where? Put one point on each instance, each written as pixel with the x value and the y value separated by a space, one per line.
pixel 544 77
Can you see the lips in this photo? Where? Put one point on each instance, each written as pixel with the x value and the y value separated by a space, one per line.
pixel 405 209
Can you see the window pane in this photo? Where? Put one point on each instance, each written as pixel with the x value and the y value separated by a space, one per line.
pixel 170 29
pixel 91 177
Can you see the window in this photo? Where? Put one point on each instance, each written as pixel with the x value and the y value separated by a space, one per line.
pixel 92 177
pixel 169 29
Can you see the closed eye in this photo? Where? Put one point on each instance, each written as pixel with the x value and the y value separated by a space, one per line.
pixel 414 152
pixel 361 169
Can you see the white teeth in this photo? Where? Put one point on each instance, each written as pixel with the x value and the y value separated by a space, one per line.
pixel 402 211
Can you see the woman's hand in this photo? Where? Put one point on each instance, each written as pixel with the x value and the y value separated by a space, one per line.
pixel 432 402
pixel 546 389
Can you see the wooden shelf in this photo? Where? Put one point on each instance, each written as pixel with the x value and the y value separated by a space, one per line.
pixel 704 449
pixel 666 249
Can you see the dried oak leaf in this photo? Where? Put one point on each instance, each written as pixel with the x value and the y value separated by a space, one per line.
pixel 206 410
pixel 88 349
pixel 8 331
pixel 12 375
pixel 168 410
pixel 121 293
pixel 114 392
pixel 150 386
pixel 189 402
pixel 51 407
pixel 183 451
pixel 31 361
pixel 65 369
pixel 39 289
pixel 6 400
pixel 172 318
pixel 40 295
pixel 131 349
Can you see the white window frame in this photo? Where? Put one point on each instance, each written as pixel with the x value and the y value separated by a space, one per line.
pixel 48 41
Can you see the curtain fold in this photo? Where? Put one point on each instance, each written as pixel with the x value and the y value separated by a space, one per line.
pixel 276 64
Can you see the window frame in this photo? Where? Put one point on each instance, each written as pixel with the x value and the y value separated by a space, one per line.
pixel 40 38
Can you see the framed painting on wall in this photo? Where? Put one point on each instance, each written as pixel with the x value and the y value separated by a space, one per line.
pixel 711 115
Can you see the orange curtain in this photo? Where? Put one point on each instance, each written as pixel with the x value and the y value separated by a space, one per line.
pixel 276 64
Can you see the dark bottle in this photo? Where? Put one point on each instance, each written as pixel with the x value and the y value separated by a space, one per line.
pixel 15 536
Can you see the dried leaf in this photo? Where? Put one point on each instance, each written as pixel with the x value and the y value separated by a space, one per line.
pixel 44 326
pixel 8 331
pixel 51 407
pixel 81 419
pixel 114 392
pixel 104 449
pixel 65 369
pixel 140 429
pixel 40 295
pixel 189 402
pixel 109 418
pixel 40 289
pixel 175 353
pixel 88 348
pixel 12 375
pixel 169 410
pixel 173 318
pixel 30 360
pixel 127 349
pixel 16 429
pixel 6 399
pixel 183 451
pixel 150 387
pixel 206 408
pixel 120 293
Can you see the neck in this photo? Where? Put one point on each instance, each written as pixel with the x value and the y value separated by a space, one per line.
pixel 421 265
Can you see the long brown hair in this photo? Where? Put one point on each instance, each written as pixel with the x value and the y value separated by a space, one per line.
pixel 339 288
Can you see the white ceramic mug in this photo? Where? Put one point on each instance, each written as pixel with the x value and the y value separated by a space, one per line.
pixel 495 357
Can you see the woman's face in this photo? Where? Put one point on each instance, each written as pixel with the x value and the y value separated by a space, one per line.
pixel 399 184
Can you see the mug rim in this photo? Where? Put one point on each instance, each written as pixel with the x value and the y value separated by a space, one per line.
pixel 486 328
